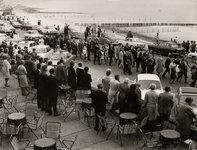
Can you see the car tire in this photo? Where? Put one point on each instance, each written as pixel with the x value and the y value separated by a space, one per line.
pixel 194 59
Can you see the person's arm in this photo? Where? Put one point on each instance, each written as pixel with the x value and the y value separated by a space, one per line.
pixel 191 112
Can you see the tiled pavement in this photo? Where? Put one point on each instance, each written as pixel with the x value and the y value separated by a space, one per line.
pixel 87 137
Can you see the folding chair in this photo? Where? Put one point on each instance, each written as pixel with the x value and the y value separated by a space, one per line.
pixel 31 91
pixel 18 145
pixel 108 124
pixel 10 104
pixel 35 124
pixel 72 143
pixel 30 111
pixel 70 107
pixel 53 130
pixel 88 112
pixel 130 128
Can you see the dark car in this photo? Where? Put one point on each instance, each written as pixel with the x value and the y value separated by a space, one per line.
pixel 16 24
pixel 26 27
pixel 167 47
pixel 106 38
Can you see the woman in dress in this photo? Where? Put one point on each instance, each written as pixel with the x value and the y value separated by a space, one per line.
pixel 22 74
pixel 172 67
pixel 159 64
pixel 6 70
pixel 113 90
pixel 123 89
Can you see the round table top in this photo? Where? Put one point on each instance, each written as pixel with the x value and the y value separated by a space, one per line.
pixel 65 87
pixel 16 116
pixel 44 142
pixel 128 115
pixel 170 134
pixel 87 100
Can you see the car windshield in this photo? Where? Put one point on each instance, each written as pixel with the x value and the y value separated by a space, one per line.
pixel 194 97
pixel 56 56
pixel 174 46
pixel 145 84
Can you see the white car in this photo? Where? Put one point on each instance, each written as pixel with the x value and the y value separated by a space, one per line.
pixel 27 44
pixel 133 42
pixel 193 56
pixel 32 34
pixel 55 56
pixel 39 49
pixel 48 29
pixel 145 80
pixel 4 36
pixel 181 95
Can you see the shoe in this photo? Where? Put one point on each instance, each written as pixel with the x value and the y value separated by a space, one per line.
pixel 56 115
pixel 104 129
pixel 96 129
pixel 42 109
pixel 7 85
pixel 186 82
pixel 50 114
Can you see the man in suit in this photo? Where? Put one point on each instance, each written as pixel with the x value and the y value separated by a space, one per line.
pixel 42 82
pixel 183 67
pixel 61 74
pixel 165 104
pixel 99 100
pixel 53 89
pixel 86 79
pixel 36 75
pixel 29 65
pixel 167 64
pixel 79 71
pixel 138 59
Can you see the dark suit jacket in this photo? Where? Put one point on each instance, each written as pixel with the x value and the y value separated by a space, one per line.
pixel 133 100
pixel 29 66
pixel 99 100
pixel 52 86
pixel 72 81
pixel 86 80
pixel 42 82
pixel 79 77
pixel 36 74
pixel 138 59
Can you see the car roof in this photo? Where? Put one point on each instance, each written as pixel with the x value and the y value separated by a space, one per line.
pixel 188 90
pixel 148 77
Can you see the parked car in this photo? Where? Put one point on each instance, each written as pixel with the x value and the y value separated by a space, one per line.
pixel 109 38
pixel 133 42
pixel 193 56
pixel 16 24
pixel 37 27
pixel 145 80
pixel 31 34
pixel 14 40
pixel 3 36
pixel 27 44
pixel 167 47
pixel 181 95
pixel 7 31
pixel 39 49
pixel 26 26
pixel 48 30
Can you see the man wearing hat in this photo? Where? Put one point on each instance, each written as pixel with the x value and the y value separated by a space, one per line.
pixel 151 102
pixel 165 104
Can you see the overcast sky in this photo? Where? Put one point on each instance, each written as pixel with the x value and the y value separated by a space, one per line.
pixel 158 10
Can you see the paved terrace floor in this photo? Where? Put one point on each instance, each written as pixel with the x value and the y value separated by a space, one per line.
pixel 87 137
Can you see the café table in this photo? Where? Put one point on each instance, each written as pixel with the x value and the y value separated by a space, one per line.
pixel 127 117
pixel 64 89
pixel 45 144
pixel 86 103
pixel 169 137
pixel 17 119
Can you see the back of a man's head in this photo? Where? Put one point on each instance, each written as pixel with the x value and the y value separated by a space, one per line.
pixel 100 86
